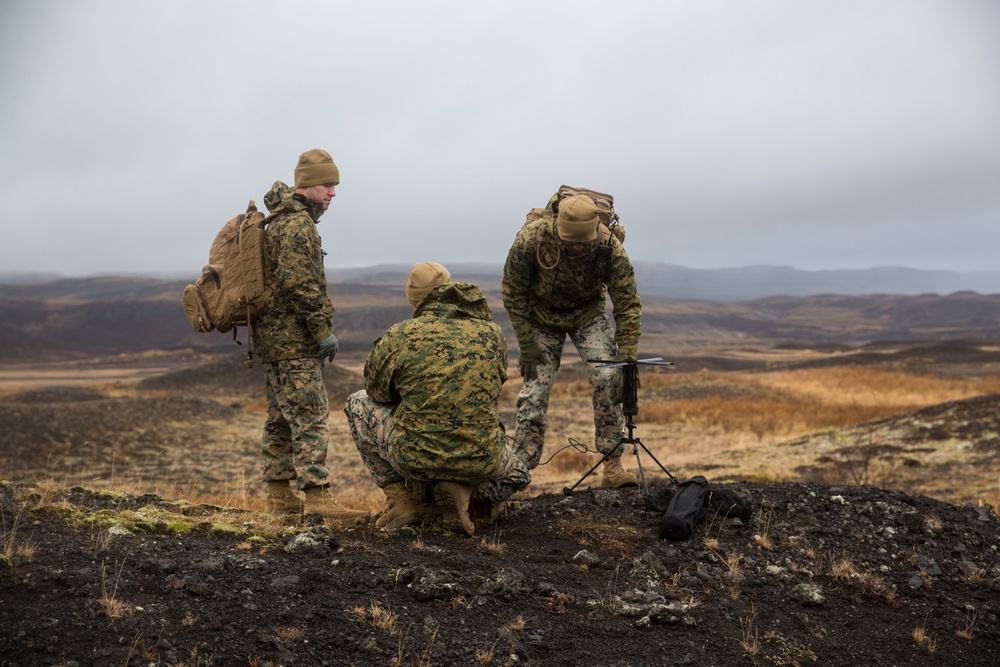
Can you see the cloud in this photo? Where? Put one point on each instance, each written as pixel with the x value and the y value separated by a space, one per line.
pixel 817 136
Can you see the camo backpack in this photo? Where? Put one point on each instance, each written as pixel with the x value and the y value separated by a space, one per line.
pixel 231 291
pixel 547 253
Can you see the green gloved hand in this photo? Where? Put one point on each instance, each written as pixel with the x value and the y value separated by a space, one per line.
pixel 328 348
pixel 527 362
pixel 616 387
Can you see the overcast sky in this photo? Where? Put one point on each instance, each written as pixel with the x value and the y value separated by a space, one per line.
pixel 815 135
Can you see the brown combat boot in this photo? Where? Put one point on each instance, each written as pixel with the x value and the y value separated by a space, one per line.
pixel 523 494
pixel 319 501
pixel 615 477
pixel 400 509
pixel 453 499
pixel 483 512
pixel 280 498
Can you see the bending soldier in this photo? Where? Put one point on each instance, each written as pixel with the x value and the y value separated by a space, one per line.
pixel 551 289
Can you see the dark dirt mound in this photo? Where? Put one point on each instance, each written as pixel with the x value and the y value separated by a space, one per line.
pixel 229 376
pixel 821 576
pixel 86 432
pixel 54 395
pixel 959 357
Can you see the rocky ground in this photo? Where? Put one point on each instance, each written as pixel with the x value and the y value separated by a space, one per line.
pixel 820 575
pixel 824 575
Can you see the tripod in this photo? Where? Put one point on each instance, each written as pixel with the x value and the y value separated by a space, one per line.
pixel 630 408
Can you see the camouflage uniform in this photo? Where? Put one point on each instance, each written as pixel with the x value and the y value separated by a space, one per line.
pixel 430 408
pixel 286 335
pixel 547 304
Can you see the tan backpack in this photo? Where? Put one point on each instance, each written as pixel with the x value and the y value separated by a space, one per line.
pixel 231 291
pixel 548 254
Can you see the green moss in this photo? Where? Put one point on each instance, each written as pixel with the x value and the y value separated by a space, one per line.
pixel 71 514
pixel 221 528
pixel 180 527
pixel 175 518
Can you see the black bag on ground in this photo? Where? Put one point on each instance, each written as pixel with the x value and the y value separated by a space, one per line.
pixel 687 507
pixel 729 505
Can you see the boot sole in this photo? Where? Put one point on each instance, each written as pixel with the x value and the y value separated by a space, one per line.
pixel 446 496
pixel 619 485
pixel 411 519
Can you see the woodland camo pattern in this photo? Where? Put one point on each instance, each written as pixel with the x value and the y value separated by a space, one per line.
pixel 297 427
pixel 564 298
pixel 299 313
pixel 440 373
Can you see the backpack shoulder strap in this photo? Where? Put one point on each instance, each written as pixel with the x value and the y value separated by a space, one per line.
pixel 546 252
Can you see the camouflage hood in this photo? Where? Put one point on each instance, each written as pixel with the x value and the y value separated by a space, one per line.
pixel 282 199
pixel 444 370
pixel 455 299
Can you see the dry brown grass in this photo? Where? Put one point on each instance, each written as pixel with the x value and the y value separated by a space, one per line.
pixel 609 537
pixel 290 634
pixel 970 623
pixel 737 422
pixel 870 585
pixel 379 617
pixel 923 639
pixel 750 640
pixel 788 403
pixel 731 421
pixel 111 604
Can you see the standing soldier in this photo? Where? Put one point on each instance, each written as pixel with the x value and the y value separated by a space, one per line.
pixel 430 412
pixel 554 284
pixel 294 338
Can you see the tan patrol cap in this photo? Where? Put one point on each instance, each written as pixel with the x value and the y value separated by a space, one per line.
pixel 424 277
pixel 577 219
pixel 316 167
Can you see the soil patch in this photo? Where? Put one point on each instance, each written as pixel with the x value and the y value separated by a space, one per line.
pixel 820 576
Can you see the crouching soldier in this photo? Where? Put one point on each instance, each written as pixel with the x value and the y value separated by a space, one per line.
pixel 429 415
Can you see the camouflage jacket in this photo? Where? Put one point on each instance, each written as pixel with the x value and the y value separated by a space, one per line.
pixel 568 295
pixel 443 370
pixel 299 313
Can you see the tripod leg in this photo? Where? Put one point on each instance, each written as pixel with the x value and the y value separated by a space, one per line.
pixel 568 490
pixel 642 474
pixel 672 478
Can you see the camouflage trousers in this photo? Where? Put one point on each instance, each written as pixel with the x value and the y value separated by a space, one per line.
pixel 372 426
pixel 594 340
pixel 297 426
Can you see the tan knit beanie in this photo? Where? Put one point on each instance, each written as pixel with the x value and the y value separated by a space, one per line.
pixel 316 167
pixel 577 219
pixel 424 277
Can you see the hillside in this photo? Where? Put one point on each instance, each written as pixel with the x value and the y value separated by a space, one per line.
pixel 109 554
pixel 671 281
pixel 74 319
pixel 131 531
pixel 820 576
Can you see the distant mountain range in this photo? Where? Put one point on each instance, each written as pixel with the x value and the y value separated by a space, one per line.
pixel 669 281
pixel 76 318
pixel 755 282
